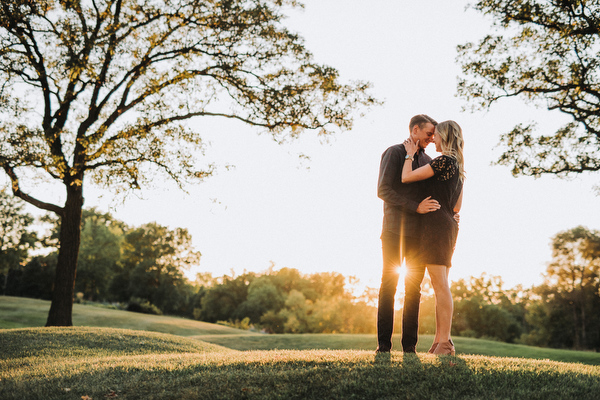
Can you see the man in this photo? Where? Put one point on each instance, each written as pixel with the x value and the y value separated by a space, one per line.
pixel 400 235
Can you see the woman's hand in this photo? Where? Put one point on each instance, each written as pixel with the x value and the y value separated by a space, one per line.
pixel 411 147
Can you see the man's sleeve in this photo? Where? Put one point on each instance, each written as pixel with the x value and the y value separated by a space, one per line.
pixel 389 167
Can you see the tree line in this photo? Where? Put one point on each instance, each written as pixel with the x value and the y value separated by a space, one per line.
pixel 142 269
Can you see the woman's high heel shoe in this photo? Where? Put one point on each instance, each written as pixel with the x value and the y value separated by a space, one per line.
pixel 433 346
pixel 445 348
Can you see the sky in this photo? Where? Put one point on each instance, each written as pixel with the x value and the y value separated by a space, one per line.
pixel 323 214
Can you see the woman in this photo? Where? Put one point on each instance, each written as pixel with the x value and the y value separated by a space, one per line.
pixel 445 175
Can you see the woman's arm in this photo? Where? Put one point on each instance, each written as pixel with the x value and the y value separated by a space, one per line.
pixel 419 174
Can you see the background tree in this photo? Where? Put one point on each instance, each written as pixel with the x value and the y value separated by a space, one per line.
pixel 538 320
pixel 223 299
pixel 34 279
pixel 101 90
pixel 483 308
pixel 154 258
pixel 285 301
pixel 545 53
pixel 262 297
pixel 573 282
pixel 99 254
pixel 134 266
pixel 16 238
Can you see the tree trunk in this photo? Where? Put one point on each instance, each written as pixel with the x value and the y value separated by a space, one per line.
pixel 583 328
pixel 61 309
pixel 583 320
pixel 576 336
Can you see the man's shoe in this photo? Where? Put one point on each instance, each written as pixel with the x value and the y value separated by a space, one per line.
pixel 381 349
pixel 410 349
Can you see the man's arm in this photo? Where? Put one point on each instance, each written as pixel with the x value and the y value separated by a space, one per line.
pixel 391 162
pixel 390 166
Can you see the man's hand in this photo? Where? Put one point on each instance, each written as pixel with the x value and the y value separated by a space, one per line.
pixel 457 218
pixel 428 205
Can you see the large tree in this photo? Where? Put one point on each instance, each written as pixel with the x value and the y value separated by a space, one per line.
pixel 101 90
pixel 546 53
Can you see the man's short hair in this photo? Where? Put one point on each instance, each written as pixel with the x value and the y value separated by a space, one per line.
pixel 421 120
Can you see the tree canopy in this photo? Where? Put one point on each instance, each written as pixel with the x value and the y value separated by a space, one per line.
pixel 104 86
pixel 545 53
pixel 102 90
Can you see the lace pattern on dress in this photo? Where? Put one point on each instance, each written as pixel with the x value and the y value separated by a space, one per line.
pixel 444 167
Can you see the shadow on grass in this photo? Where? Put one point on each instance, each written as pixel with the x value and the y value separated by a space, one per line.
pixel 267 375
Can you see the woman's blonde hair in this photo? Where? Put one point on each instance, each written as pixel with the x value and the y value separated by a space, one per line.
pixel 452 143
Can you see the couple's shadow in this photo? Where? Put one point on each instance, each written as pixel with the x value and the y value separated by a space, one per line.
pixel 413 360
pixel 409 360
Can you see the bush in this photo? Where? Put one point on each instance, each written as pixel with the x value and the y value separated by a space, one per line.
pixel 244 324
pixel 143 306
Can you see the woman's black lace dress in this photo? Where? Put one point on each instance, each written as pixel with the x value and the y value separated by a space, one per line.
pixel 439 229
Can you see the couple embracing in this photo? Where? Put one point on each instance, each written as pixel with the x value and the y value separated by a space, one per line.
pixel 422 198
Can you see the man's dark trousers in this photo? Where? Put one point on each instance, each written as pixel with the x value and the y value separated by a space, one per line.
pixel 395 249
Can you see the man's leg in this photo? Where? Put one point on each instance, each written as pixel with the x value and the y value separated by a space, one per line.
pixel 390 246
pixel 412 297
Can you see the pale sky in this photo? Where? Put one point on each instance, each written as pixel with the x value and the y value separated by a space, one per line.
pixel 324 215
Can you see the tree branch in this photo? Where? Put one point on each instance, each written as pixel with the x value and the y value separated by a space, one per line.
pixel 31 200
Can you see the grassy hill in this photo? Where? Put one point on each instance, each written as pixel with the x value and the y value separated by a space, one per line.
pixel 16 312
pixel 136 356
pixel 19 312
pixel 97 363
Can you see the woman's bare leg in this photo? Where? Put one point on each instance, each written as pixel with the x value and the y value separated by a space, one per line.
pixel 443 301
pixel 436 339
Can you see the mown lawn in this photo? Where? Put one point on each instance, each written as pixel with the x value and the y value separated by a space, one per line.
pixel 368 342
pixel 19 312
pixel 22 312
pixel 100 363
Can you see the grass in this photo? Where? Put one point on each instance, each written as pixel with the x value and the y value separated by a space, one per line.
pixel 98 363
pixel 137 356
pixel 368 342
pixel 16 312
pixel 19 312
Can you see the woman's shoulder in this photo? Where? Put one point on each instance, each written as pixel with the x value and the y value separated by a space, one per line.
pixel 444 160
pixel 444 163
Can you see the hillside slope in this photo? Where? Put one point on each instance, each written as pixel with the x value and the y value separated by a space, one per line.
pixel 20 312
pixel 97 363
